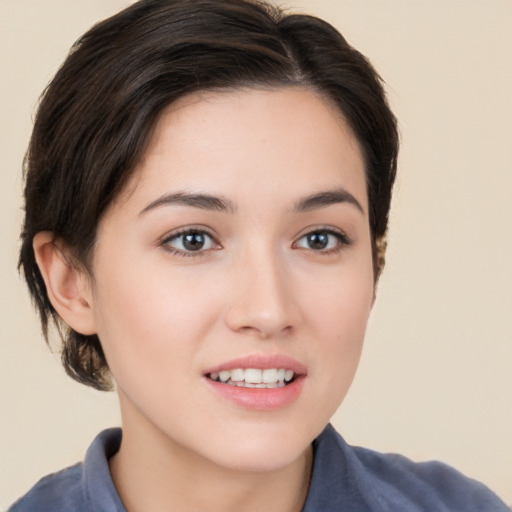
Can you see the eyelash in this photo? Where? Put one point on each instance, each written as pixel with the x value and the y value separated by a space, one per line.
pixel 182 233
pixel 342 240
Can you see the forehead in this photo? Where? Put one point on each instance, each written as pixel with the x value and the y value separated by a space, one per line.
pixel 286 140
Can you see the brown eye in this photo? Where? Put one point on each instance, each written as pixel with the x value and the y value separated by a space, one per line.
pixel 194 241
pixel 317 241
pixel 322 240
pixel 189 241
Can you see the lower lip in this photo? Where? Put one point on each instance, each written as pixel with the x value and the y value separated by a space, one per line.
pixel 259 399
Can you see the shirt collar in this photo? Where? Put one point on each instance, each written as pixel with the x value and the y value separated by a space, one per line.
pixel 328 479
pixel 97 484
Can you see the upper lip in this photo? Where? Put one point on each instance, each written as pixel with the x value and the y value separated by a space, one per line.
pixel 261 362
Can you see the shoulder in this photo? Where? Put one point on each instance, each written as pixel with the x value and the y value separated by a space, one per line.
pixel 58 491
pixel 372 481
pixel 429 485
pixel 80 488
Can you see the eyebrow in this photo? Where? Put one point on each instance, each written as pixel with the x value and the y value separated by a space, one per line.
pixel 221 204
pixel 202 201
pixel 327 198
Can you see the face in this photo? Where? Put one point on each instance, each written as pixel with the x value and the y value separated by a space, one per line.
pixel 233 278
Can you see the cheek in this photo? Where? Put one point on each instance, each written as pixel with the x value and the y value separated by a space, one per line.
pixel 146 319
pixel 342 304
pixel 339 312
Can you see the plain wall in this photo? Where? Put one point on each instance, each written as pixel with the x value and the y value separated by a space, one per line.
pixel 435 380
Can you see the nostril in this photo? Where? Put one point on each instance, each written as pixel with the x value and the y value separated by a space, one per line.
pixel 264 332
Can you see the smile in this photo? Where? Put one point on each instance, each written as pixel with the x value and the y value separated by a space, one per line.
pixel 258 382
pixel 268 378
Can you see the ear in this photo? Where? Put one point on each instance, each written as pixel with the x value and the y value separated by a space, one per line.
pixel 68 288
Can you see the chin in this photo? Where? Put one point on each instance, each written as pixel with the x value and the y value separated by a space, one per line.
pixel 262 448
pixel 260 459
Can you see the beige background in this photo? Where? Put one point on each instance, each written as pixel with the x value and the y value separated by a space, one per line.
pixel 435 381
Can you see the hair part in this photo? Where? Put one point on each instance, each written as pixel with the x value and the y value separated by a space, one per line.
pixel 97 116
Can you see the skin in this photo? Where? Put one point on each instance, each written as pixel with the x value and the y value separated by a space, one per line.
pixel 258 286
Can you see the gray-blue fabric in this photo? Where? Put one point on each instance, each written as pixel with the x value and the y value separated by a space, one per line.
pixel 345 478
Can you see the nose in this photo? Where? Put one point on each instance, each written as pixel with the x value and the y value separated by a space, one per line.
pixel 262 302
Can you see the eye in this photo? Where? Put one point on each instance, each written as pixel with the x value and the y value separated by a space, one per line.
pixel 189 241
pixel 323 240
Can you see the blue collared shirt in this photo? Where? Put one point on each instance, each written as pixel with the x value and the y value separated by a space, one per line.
pixel 345 478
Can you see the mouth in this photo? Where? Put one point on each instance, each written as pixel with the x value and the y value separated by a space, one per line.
pixel 268 378
pixel 258 382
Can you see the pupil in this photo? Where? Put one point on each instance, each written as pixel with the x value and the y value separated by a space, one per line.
pixel 318 240
pixel 193 241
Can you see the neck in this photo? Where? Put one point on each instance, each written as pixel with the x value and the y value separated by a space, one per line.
pixel 152 473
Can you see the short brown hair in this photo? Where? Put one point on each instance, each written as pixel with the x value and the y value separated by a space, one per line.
pixel 97 115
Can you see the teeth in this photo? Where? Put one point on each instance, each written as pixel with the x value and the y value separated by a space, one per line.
pixel 237 375
pixel 270 376
pixel 224 376
pixel 254 377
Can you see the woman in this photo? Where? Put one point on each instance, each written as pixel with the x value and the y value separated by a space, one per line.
pixel 207 193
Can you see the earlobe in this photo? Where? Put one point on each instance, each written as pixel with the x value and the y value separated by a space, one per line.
pixel 68 289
